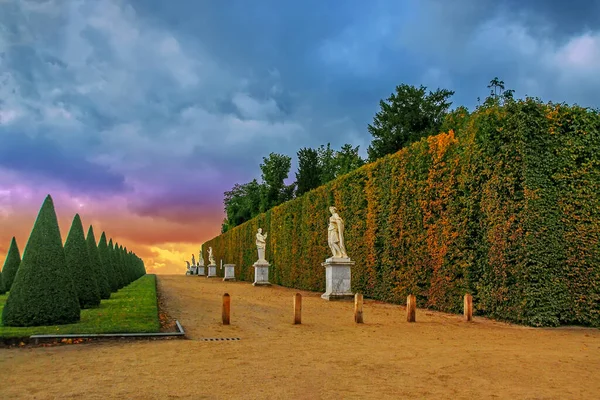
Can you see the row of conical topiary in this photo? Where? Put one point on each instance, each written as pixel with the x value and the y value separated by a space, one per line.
pixel 52 283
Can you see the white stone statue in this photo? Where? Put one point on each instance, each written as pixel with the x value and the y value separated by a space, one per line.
pixel 188 265
pixel 335 234
pixel 261 244
pixel 200 258
pixel 193 261
pixel 211 258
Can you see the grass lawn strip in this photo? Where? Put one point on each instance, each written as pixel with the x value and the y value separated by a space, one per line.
pixel 133 309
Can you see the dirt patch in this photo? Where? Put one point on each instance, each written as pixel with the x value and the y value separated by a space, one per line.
pixel 328 356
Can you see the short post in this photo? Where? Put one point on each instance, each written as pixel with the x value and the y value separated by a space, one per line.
pixel 226 308
pixel 297 309
pixel 411 308
pixel 358 308
pixel 468 307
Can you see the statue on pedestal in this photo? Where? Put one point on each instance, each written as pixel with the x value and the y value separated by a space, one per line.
pixel 201 258
pixel 335 234
pixel 211 258
pixel 261 244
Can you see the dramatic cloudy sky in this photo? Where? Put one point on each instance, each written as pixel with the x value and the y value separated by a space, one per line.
pixel 139 114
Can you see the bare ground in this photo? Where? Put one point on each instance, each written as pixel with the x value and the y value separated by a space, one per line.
pixel 327 357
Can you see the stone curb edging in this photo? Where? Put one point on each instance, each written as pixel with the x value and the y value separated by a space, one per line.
pixel 180 332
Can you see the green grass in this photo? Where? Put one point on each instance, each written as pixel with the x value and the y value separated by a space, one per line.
pixel 133 309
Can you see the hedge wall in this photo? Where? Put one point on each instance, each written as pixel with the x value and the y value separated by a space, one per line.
pixel 506 206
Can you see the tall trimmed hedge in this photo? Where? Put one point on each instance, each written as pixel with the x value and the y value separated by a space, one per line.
pixel 42 292
pixel 80 266
pixel 98 268
pixel 505 206
pixel 11 265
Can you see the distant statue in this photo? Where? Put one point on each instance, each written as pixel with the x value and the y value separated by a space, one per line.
pixel 188 265
pixel 261 244
pixel 201 258
pixel 335 234
pixel 193 261
pixel 211 258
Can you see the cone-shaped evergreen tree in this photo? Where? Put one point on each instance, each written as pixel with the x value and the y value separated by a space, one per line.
pixel 113 260
pixel 101 275
pixel 108 266
pixel 2 290
pixel 123 265
pixel 42 292
pixel 119 264
pixel 80 265
pixel 11 265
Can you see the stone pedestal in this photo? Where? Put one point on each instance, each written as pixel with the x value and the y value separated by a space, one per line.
pixel 229 272
pixel 338 279
pixel 201 270
pixel 212 271
pixel 194 270
pixel 261 273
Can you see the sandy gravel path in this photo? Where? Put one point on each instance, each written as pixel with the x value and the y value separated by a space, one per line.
pixel 327 357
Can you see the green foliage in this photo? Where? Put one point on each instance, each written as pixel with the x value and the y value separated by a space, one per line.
pixel 97 266
pixel 133 309
pixel 42 292
pixel 405 117
pixel 11 265
pixel 505 206
pixel 80 266
pixel 114 259
pixel 108 266
pixel 242 202
pixel 309 172
pixel 275 170
pixel 347 160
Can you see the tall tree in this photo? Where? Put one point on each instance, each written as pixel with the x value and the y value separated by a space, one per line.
pixel 11 265
pixel 405 117
pixel 42 292
pixel 347 160
pixel 327 163
pixel 275 170
pixel 309 172
pixel 80 266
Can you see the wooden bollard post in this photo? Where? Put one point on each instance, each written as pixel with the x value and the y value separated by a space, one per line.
pixel 226 308
pixel 468 307
pixel 297 309
pixel 358 308
pixel 411 308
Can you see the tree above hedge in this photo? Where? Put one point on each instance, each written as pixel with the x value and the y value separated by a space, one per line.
pixel 42 292
pixel 79 262
pixel 11 265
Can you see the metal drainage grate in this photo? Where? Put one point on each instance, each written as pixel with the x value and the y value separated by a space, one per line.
pixel 219 339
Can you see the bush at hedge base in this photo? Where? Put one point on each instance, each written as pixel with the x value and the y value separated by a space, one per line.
pixel 42 292
pixel 80 265
pixel 97 266
pixel 11 265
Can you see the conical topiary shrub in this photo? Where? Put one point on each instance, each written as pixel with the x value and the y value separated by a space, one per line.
pixel 42 292
pixel 119 266
pixel 101 275
pixel 80 265
pixel 11 264
pixel 106 262
pixel 2 290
